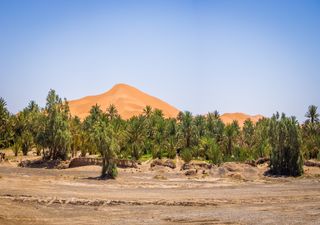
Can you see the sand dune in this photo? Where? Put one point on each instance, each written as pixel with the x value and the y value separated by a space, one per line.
pixel 227 118
pixel 128 100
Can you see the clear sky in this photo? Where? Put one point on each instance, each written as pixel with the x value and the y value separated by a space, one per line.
pixel 248 56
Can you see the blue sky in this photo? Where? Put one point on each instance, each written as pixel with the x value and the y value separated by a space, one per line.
pixel 248 56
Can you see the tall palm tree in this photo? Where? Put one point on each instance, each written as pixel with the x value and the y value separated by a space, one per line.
pixel 215 126
pixel 33 106
pixel 210 150
pixel 135 136
pixel 186 127
pixel 200 124
pixel 147 111
pixel 179 116
pixel 75 129
pixel 106 142
pixel 95 114
pixel 4 114
pixel 247 133
pixel 231 132
pixel 158 113
pixel 112 112
pixel 312 114
pixel 216 114
pixel 173 142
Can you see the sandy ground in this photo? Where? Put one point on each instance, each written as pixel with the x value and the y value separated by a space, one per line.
pixel 157 196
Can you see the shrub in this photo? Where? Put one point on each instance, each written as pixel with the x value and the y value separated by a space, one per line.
pixel 242 154
pixel 171 153
pixel 186 154
pixel 213 152
pixel 157 152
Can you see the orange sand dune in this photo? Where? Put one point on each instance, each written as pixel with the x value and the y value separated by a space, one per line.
pixel 128 100
pixel 227 118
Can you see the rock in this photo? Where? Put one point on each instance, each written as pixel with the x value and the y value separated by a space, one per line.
pixel 168 163
pixel 203 165
pixel 125 163
pixel 40 163
pixel 156 162
pixel 221 171
pixel 262 160
pixel 191 172
pixel 196 165
pixel 185 166
pixel 313 164
pixel 85 161
pixel 2 156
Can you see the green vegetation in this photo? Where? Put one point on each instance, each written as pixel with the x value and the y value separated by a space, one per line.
pixel 56 135
pixel 286 156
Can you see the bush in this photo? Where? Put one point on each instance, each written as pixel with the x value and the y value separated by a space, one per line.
pixel 157 153
pixel 286 158
pixel 214 155
pixel 171 153
pixel 242 154
pixel 186 155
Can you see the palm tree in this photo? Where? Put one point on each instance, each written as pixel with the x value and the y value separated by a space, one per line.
pixel 186 128
pixel 106 142
pixel 57 130
pixel 158 113
pixel 147 111
pixel 216 114
pixel 179 116
pixel 4 121
pixel 231 132
pixel 312 115
pixel 135 136
pixel 200 124
pixel 24 126
pixel 210 149
pixel 33 106
pixel 215 126
pixel 172 142
pixel 96 112
pixel 4 114
pixel 76 135
pixel 112 112
pixel 310 133
pixel 247 133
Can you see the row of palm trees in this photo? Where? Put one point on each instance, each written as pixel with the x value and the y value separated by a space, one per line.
pixel 55 134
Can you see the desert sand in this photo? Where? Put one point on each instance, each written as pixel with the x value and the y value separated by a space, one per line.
pixel 232 193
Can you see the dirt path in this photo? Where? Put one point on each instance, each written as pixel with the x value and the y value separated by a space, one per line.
pixel 137 196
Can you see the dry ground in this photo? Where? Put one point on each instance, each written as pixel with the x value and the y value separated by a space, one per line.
pixel 231 194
